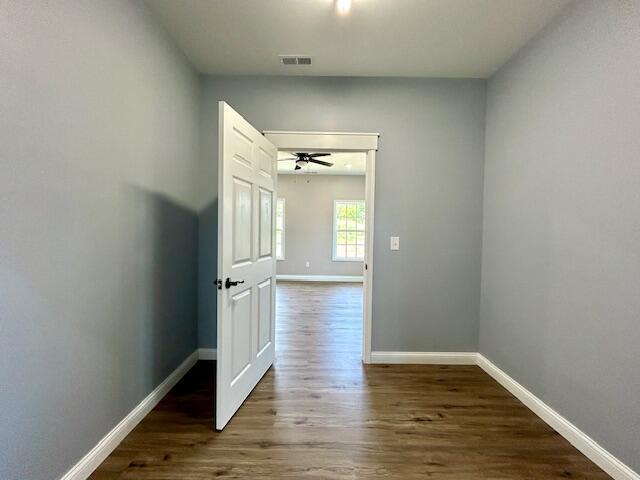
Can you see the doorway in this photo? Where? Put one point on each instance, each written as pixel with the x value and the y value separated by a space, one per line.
pixel 345 148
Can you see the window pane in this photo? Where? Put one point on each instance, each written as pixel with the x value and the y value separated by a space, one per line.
pixel 351 217
pixel 278 250
pixel 350 227
pixel 351 211
pixel 360 216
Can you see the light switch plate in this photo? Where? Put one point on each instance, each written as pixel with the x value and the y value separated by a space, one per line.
pixel 395 243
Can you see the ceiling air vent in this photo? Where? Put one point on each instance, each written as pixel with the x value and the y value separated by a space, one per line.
pixel 295 60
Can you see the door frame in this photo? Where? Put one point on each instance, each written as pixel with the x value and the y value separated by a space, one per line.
pixel 345 142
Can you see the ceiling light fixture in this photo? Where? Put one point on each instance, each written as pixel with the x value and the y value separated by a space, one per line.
pixel 343 6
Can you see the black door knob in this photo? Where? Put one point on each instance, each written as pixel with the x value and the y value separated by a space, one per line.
pixel 228 283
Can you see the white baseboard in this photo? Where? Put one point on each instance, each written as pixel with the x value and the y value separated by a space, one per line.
pixel 93 459
pixel 320 278
pixel 207 354
pixel 433 358
pixel 589 447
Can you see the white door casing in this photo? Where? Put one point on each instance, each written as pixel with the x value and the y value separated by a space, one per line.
pixel 247 179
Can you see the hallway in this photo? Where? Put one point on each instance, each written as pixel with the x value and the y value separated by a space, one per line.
pixel 320 414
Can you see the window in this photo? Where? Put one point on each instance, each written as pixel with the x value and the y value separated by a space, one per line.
pixel 348 230
pixel 280 229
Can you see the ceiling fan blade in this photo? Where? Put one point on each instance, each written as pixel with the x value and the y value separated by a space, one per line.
pixel 320 162
pixel 298 167
pixel 313 155
pixel 287 159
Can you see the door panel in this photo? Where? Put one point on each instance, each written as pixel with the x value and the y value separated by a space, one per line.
pixel 241 330
pixel 265 308
pixel 266 216
pixel 265 163
pixel 241 221
pixel 246 235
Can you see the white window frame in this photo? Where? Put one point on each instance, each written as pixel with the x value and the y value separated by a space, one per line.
pixel 284 222
pixel 335 231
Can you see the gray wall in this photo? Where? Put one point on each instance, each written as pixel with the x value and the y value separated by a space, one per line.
pixel 309 222
pixel 98 224
pixel 561 257
pixel 428 191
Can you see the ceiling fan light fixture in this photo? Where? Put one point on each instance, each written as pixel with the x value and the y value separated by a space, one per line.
pixel 343 6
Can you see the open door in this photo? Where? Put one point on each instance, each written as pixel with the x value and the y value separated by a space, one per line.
pixel 247 176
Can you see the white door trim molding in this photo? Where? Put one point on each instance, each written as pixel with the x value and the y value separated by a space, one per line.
pixel 318 141
pixel 426 358
pixel 320 278
pixel 589 447
pixel 369 209
pixel 345 142
pixel 95 456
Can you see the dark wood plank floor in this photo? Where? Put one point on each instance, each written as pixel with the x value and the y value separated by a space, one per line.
pixel 320 414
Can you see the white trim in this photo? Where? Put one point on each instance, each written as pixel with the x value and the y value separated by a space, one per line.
pixel 207 354
pixel 589 447
pixel 431 358
pixel 585 444
pixel 334 245
pixel 287 132
pixel 320 278
pixel 323 141
pixel 93 459
pixel 369 202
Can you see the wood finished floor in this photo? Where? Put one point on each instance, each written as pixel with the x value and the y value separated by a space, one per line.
pixel 320 414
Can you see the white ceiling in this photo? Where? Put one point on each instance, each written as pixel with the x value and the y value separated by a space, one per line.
pixel 400 38
pixel 343 164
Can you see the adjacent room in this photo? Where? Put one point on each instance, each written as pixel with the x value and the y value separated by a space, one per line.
pixel 325 239
pixel 320 231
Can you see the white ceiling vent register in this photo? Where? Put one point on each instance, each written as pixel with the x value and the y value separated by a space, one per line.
pixel 295 59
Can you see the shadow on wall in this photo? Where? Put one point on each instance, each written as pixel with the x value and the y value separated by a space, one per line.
pixel 101 293
pixel 165 242
pixel 207 274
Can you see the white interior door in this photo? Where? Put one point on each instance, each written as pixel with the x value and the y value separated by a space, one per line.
pixel 246 254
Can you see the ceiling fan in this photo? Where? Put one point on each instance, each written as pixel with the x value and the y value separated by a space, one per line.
pixel 303 158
